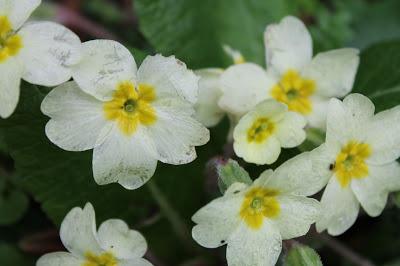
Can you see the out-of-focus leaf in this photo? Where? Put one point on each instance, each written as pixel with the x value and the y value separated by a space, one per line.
pixel 230 173
pixel 13 205
pixel 12 256
pixel 195 30
pixel 58 179
pixel 315 137
pixel 375 22
pixel 3 145
pixel 302 256
pixel 396 199
pixel 379 75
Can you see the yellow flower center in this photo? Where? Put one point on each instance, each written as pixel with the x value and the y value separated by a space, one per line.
pixel 259 203
pixel 131 107
pixel 10 43
pixel 261 129
pixel 350 162
pixel 104 259
pixel 295 92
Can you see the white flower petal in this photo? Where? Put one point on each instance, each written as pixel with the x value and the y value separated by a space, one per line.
pixel 10 80
pixel 77 119
pixel 116 237
pixel 383 135
pixel 49 49
pixel 247 247
pixel 18 11
pixel 347 120
pixel 243 87
pixel 128 160
pixel 339 209
pixel 290 130
pixel 170 77
pixel 304 175
pixel 135 262
pixel 104 65
pixel 288 45
pixel 296 215
pixel 217 220
pixel 207 110
pixel 317 118
pixel 176 132
pixel 372 191
pixel 333 71
pixel 59 259
pixel 78 231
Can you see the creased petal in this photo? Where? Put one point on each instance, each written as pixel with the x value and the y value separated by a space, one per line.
pixel 333 71
pixel 10 80
pixel 247 247
pixel 59 259
pixel 104 65
pixel 170 77
pixel 317 118
pixel 78 231
pixel 218 219
pixel 18 11
pixel 383 135
pixel 243 87
pixel 116 237
pixel 304 175
pixel 77 119
pixel 128 160
pixel 290 130
pixel 288 45
pixel 339 209
pixel 208 111
pixel 176 132
pixel 372 191
pixel 296 215
pixel 49 49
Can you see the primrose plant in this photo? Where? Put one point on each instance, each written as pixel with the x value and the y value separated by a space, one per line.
pixel 132 117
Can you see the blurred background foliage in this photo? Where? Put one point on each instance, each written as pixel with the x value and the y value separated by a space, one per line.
pixel 40 183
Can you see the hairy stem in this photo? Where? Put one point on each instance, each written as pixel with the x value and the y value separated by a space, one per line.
pixel 343 250
pixel 178 225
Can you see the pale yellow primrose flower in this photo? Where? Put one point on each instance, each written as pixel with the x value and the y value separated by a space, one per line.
pixel 293 77
pixel 37 52
pixel 114 244
pixel 260 134
pixel 131 118
pixel 253 220
pixel 357 161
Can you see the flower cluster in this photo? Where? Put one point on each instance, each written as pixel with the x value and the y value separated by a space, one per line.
pixel 132 117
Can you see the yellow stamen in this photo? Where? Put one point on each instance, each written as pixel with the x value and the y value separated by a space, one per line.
pixel 259 203
pixel 350 162
pixel 261 130
pixel 10 43
pixel 104 259
pixel 295 92
pixel 130 107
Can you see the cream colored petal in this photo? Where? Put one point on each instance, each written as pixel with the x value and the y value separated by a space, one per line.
pixel 18 11
pixel 49 50
pixel 10 79
pixel 59 259
pixel 288 45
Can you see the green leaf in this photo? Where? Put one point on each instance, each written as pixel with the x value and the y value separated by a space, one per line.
pixel 379 75
pixel 195 30
pixel 13 205
pixel 230 173
pixel 11 255
pixel 315 137
pixel 58 179
pixel 302 256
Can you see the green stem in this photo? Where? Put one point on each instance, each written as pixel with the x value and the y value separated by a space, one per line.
pixel 178 225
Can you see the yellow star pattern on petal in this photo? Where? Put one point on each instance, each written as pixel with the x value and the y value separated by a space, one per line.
pixel 10 43
pixel 295 92
pixel 259 203
pixel 131 107
pixel 350 162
